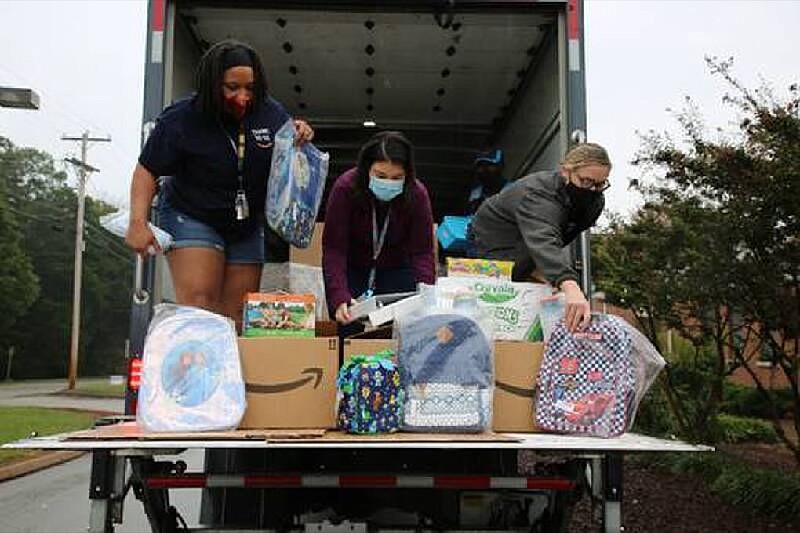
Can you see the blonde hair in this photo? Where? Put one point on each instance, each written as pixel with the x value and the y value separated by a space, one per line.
pixel 586 154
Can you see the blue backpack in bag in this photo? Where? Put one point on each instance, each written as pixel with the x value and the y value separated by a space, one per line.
pixel 587 380
pixel 448 374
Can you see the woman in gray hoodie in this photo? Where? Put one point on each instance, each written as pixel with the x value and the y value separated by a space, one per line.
pixel 532 221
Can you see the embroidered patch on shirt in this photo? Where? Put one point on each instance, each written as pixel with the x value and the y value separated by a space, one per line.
pixel 263 137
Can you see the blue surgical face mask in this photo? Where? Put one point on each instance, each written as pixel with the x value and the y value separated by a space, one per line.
pixel 384 189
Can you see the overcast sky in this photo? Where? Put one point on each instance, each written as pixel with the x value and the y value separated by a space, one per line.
pixel 85 59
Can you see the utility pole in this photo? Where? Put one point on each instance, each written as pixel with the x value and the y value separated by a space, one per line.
pixel 83 171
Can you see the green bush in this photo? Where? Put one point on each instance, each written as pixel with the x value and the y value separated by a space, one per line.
pixel 770 492
pixel 747 401
pixel 653 417
pixel 742 429
pixel 767 492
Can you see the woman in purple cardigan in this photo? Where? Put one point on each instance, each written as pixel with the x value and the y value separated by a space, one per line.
pixel 378 234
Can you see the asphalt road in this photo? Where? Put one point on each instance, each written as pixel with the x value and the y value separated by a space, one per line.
pixel 43 393
pixel 56 500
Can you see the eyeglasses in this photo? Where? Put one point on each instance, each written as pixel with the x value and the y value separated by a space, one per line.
pixel 589 183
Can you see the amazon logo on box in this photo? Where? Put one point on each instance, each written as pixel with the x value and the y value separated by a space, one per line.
pixel 516 368
pixel 290 382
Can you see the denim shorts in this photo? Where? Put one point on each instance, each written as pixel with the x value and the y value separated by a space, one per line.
pixel 188 232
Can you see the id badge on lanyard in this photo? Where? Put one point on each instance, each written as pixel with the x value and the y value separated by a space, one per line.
pixel 240 205
pixel 377 245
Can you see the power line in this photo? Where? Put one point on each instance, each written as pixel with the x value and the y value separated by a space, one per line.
pixel 106 239
pixel 111 240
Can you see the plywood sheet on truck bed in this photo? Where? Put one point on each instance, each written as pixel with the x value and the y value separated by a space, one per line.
pixel 131 431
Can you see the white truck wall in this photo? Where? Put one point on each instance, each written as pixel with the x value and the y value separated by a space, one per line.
pixel 185 56
pixel 530 136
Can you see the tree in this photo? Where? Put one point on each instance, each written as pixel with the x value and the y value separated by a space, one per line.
pixel 19 285
pixel 45 206
pixel 738 259
pixel 658 265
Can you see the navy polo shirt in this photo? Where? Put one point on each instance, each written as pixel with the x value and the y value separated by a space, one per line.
pixel 199 153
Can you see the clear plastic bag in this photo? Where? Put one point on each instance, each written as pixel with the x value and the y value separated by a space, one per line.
pixel 296 182
pixel 515 306
pixel 447 361
pixel 117 223
pixel 191 374
pixel 552 310
pixel 308 279
pixel 647 362
pixel 592 381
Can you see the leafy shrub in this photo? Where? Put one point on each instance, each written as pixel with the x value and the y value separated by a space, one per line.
pixel 653 417
pixel 742 429
pixel 767 492
pixel 748 401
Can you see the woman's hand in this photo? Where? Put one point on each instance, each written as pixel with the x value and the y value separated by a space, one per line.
pixel 140 238
pixel 578 312
pixel 343 312
pixel 304 132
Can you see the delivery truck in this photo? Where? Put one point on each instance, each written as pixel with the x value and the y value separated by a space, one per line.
pixel 457 77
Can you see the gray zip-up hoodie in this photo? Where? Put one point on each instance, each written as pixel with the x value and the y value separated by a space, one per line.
pixel 531 222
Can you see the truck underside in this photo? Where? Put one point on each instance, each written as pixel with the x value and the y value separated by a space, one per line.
pixel 497 482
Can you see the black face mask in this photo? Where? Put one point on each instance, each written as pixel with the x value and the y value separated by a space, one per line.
pixel 582 198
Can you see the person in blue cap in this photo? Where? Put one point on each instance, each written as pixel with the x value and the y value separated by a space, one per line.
pixel 488 179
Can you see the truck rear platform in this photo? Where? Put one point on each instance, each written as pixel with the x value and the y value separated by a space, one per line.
pixel 462 472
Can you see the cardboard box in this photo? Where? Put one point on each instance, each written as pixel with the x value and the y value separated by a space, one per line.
pixel 353 347
pixel 290 383
pixel 311 255
pixel 516 369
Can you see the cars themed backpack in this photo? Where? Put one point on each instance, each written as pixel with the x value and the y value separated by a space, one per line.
pixel 587 380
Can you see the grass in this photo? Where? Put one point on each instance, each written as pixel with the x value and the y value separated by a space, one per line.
pixel 101 389
pixel 18 422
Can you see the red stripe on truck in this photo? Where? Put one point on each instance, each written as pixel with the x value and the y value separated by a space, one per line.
pixel 157 15
pixel 573 12
pixel 184 481
pixel 550 483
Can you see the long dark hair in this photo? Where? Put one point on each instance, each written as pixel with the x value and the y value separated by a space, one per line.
pixel 390 146
pixel 210 73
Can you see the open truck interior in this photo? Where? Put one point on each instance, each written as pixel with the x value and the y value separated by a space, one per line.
pixel 457 77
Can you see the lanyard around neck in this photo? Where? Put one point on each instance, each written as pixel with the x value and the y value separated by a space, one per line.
pixel 377 245
pixel 238 150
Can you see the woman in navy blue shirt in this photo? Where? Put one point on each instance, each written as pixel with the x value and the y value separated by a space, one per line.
pixel 216 148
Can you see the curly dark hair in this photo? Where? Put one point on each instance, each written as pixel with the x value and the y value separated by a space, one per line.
pixel 390 146
pixel 210 73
